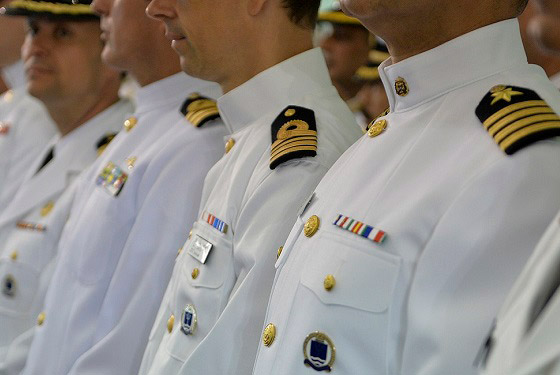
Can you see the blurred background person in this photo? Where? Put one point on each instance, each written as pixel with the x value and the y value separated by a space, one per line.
pixel 545 26
pixel 371 98
pixel 11 39
pixel 25 126
pixel 547 59
pixel 63 67
pixel 345 44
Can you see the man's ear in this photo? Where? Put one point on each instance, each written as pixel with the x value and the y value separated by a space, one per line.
pixel 254 7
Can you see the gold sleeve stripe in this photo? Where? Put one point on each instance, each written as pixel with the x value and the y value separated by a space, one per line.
pixel 292 145
pixel 201 115
pixel 196 117
pixel 311 138
pixel 43 6
pixel 512 128
pixel 289 151
pixel 518 115
pixel 512 108
pixel 512 139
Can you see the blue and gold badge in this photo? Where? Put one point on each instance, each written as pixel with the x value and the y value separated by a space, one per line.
pixel 188 320
pixel 319 351
pixel 112 179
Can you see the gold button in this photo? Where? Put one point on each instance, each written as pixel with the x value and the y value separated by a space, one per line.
pixel 229 144
pixel 170 323
pixel 179 251
pixel 377 128
pixel 401 87
pixel 190 234
pixel 14 255
pixel 47 208
pixel 269 334
pixel 130 123
pixel 290 112
pixel 9 96
pixel 41 318
pixel 311 226
pixel 131 161
pixel 195 273
pixel 329 282
pixel 279 252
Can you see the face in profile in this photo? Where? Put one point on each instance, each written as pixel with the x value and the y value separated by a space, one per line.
pixel 127 32
pixel 345 48
pixel 204 33
pixel 62 58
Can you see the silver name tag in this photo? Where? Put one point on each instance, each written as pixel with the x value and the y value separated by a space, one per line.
pixel 200 249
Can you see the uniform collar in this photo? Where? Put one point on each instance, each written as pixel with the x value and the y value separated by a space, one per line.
pixel 274 89
pixel 468 58
pixel 88 134
pixel 174 88
pixel 14 75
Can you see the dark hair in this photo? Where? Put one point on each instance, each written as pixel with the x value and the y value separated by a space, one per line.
pixel 303 12
pixel 521 5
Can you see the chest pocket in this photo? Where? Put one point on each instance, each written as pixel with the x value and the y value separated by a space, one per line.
pixel 103 231
pixel 364 280
pixel 206 286
pixel 349 280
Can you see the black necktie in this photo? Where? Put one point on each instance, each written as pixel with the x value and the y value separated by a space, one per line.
pixel 47 159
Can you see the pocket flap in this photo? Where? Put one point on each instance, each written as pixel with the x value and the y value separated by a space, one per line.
pixel 362 281
pixel 213 272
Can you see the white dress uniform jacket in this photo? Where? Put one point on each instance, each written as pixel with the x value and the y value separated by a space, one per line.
pixel 459 216
pixel 117 250
pixel 30 228
pixel 526 339
pixel 25 129
pixel 229 291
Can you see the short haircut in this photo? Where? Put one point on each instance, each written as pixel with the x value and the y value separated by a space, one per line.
pixel 303 12
pixel 520 5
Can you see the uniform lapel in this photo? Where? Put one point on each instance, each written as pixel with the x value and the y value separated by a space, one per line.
pixel 541 345
pixel 37 189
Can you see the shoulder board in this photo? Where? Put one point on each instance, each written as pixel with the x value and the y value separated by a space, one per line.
pixel 103 142
pixel 198 109
pixel 294 135
pixel 517 117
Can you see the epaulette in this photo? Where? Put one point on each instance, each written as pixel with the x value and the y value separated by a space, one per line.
pixel 517 117
pixel 198 109
pixel 294 135
pixel 103 142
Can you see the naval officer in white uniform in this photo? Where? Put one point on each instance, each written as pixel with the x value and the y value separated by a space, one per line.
pixel 131 208
pixel 288 127
pixel 414 237
pixel 526 336
pixel 81 94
